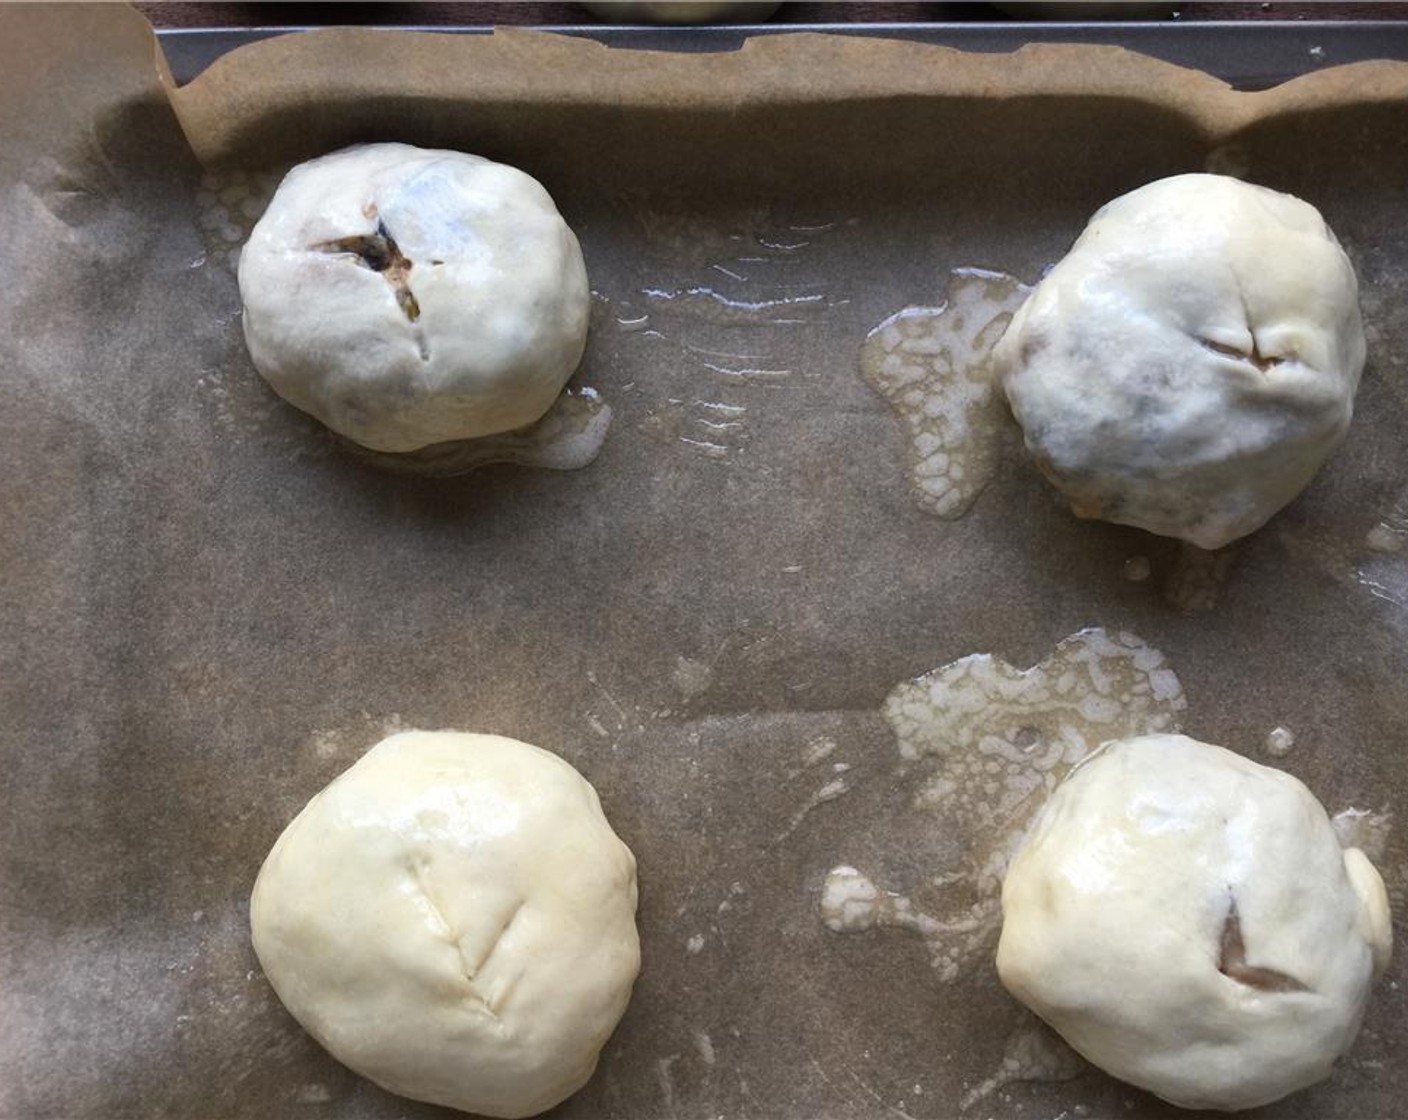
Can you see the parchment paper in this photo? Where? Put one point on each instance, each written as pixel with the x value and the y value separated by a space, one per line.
pixel 210 609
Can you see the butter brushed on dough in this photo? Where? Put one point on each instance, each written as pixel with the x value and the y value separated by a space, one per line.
pixel 454 918
pixel 408 296
pixel 1187 920
pixel 1192 361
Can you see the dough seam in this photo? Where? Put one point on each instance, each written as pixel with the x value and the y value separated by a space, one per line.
pixel 378 252
pixel 470 971
pixel 1232 959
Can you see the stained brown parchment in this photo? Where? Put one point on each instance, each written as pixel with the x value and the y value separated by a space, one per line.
pixel 209 609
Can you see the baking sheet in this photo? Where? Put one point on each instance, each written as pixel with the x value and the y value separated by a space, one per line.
pixel 211 608
pixel 1274 52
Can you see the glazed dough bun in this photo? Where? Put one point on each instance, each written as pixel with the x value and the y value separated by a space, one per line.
pixel 453 918
pixel 1187 920
pixel 1192 361
pixel 407 297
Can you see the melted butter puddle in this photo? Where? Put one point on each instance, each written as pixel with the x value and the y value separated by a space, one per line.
pixel 568 437
pixel 931 365
pixel 1004 739
pixel 1006 734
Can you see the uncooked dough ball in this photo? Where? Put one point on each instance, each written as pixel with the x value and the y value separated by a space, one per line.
pixel 1187 920
pixel 407 297
pixel 1192 361
pixel 453 918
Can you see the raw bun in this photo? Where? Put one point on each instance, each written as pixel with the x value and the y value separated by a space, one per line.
pixel 1192 361
pixel 407 297
pixel 1187 920
pixel 454 919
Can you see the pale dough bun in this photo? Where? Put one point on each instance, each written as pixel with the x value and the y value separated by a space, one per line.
pixel 1192 361
pixel 406 296
pixel 1187 920
pixel 454 919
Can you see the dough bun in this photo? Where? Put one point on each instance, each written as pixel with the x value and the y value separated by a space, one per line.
pixel 1188 921
pixel 406 296
pixel 1192 361
pixel 454 919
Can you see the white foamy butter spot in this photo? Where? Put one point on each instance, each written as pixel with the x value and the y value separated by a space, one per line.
pixel 850 903
pixel 818 749
pixel 931 364
pixel 1279 741
pixel 833 789
pixel 704 1047
pixel 692 677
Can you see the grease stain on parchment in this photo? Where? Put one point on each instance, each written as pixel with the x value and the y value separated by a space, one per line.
pixel 1382 570
pixel 1034 1052
pixel 1374 561
pixel 932 365
pixel 1003 739
pixel 1195 584
pixel 1279 741
pixel 228 204
pixel 347 743
pixel 817 750
pixel 721 323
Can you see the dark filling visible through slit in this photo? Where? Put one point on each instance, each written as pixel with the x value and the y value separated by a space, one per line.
pixel 1233 961
pixel 380 253
pixel 1256 357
